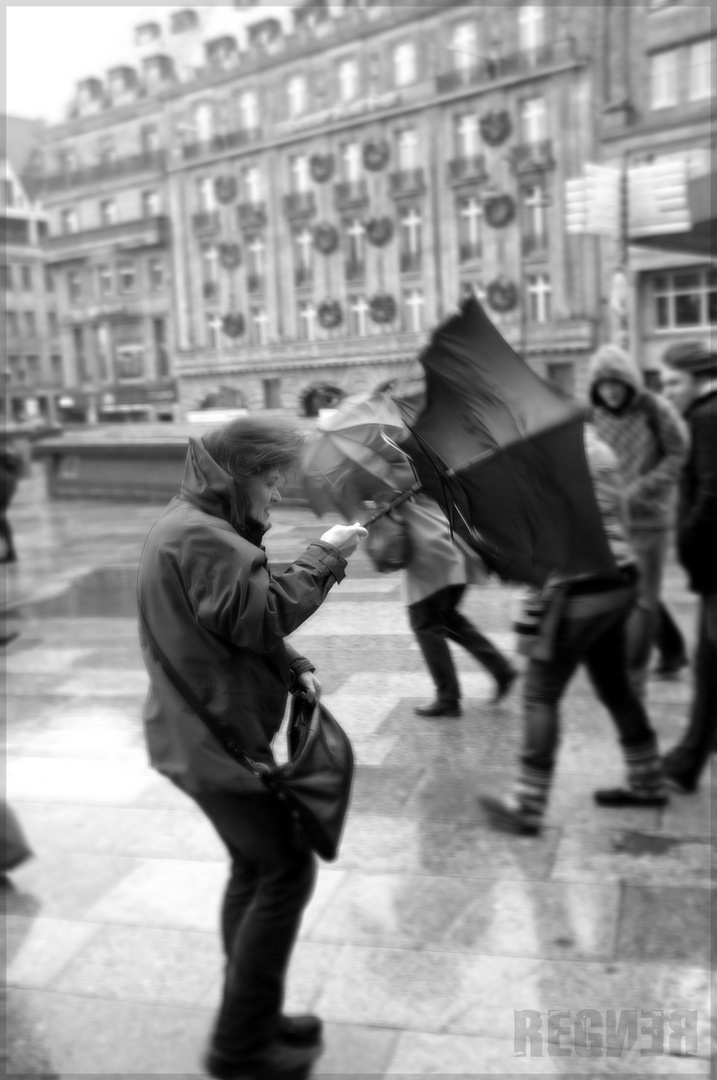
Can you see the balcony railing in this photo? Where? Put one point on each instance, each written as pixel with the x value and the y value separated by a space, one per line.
pixel 303 275
pixel 350 193
pixel 251 215
pixel 534 244
pixel 469 252
pixel 205 222
pixel 300 204
pixel 534 155
pixel 407 182
pixel 355 269
pixel 229 140
pixel 410 261
pixel 255 283
pixel 140 232
pixel 466 169
pixel 500 67
pixel 105 170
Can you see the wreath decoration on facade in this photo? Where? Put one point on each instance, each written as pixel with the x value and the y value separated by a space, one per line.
pixel 225 189
pixel 326 238
pixel 495 127
pixel 322 167
pixel 382 308
pixel 502 295
pixel 375 154
pixel 379 231
pixel 229 256
pixel 499 211
pixel 330 314
pixel 233 325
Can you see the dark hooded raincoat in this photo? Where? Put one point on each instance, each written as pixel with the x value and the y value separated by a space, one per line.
pixel 221 618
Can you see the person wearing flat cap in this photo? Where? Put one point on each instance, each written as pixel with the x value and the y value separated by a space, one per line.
pixel 690 382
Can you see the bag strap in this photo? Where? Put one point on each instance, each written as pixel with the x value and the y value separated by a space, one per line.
pixel 223 737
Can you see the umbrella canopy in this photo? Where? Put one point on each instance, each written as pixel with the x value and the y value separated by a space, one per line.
pixel 350 460
pixel 502 451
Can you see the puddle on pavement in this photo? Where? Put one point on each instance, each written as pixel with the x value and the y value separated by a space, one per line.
pixel 106 592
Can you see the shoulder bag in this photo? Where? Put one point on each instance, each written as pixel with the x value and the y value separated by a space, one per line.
pixel 315 783
pixel 388 543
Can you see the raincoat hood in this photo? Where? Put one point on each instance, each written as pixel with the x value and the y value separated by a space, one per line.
pixel 611 362
pixel 208 486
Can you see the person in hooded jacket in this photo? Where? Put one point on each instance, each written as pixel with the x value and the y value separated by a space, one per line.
pixel 650 442
pixel 220 617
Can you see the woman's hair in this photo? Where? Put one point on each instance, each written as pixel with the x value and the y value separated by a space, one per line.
pixel 250 445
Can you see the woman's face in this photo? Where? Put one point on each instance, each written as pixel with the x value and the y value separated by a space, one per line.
pixel 262 492
pixel 612 392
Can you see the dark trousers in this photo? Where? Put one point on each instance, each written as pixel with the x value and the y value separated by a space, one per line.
pixel 689 757
pixel 435 621
pixel 668 638
pixel 598 640
pixel 271 881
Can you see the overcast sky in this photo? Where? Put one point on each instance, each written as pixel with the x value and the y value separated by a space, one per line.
pixel 48 49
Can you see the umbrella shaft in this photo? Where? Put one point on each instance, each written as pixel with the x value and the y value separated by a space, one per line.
pixel 402 498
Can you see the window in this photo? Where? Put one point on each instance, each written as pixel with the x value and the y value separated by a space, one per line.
pixel 531 27
pixel 255 262
pixel 470 214
pixel 161 355
pixel 5 277
pixel 411 232
pixel 303 255
pixel 214 330
pixel 404 64
pixel 130 361
pixel 49 280
pixel 699 63
pixel 150 204
pixel 307 320
pixel 127 277
pixel 53 325
pixel 204 122
pixel 272 393
pixel 535 229
pixel 258 327
pixel 56 370
pixel 11 323
pixel 70 222
pixel 26 278
pixel 106 150
pixel 17 369
pixel 248 111
pixel 466 134
pixel 538 288
pixel 348 80
pixel 210 271
pixel 8 193
pixel 684 298
pixel 663 79
pixel 296 95
pixel 105 281
pixel 355 244
pixel 205 194
pixel 351 161
pixel 407 149
pixel 358 315
pixel 149 139
pixel 78 345
pixel 413 309
pixel 67 160
pixel 33 368
pixel 252 184
pixel 30 323
pixel 533 123
pixel 74 286
pixel 108 212
pixel 563 375
pixel 300 174
pixel 156 273
pixel 464 46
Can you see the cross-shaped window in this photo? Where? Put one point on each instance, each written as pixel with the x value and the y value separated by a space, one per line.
pixel 307 320
pixel 248 110
pixel 299 164
pixel 531 27
pixel 256 249
pixel 251 178
pixel 296 94
pixel 533 119
pixel 534 209
pixel 210 263
pixel 214 330
pixel 351 161
pixel 539 294
pixel 303 241
pixel 348 80
pixel 464 46
pixel 467 135
pixel 411 230
pixel 205 194
pixel 413 303
pixel 407 147
pixel 404 64
pixel 359 308
pixel 355 233
pixel 259 322
pixel 471 212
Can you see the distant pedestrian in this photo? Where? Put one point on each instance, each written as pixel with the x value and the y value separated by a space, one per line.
pixel 11 467
pixel 649 441
pixel 220 618
pixel 573 622
pixel 691 384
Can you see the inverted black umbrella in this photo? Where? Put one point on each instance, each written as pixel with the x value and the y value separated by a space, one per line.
pixel 501 450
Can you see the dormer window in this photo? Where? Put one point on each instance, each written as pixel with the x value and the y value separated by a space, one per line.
pixel 158 70
pixel 222 52
pixel 147 34
pixel 122 82
pixel 310 15
pixel 184 20
pixel 264 33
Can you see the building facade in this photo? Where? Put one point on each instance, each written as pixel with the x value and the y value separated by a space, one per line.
pixel 275 199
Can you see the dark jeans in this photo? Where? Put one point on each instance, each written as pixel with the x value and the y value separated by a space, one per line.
pixel 435 621
pixel 271 881
pixel 669 640
pixel 597 640
pixel 691 754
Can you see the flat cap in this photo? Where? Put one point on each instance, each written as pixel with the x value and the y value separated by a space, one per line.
pixel 692 357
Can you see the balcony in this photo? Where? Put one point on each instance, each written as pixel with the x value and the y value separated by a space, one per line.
pixel 469 252
pixel 151 161
pixel 504 67
pixel 532 157
pixel 303 275
pixel 350 193
pixel 254 283
pixel 124 235
pixel 534 244
pixel 410 262
pixel 205 222
pixel 355 270
pixel 466 170
pixel 251 215
pixel 300 204
pixel 407 182
pixel 229 140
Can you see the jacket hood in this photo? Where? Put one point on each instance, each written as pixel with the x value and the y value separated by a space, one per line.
pixel 612 362
pixel 208 486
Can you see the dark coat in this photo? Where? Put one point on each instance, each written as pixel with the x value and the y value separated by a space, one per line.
pixel 697 517
pixel 221 618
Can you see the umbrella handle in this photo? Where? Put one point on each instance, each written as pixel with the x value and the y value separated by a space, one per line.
pixel 402 498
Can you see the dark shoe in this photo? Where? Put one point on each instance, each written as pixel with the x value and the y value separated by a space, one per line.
pixel 509 818
pixel 618 797
pixel 438 708
pixel 504 685
pixel 684 784
pixel 278 1061
pixel 670 669
pixel 300 1030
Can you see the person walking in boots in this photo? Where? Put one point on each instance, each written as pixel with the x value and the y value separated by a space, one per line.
pixel 582 621
pixel 691 384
